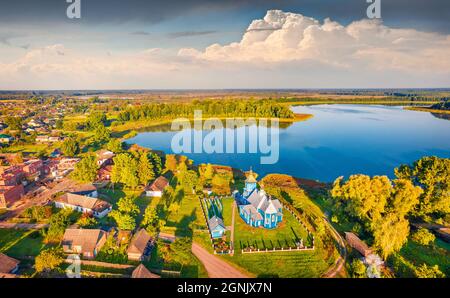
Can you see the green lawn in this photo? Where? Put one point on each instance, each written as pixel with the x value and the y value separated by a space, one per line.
pixel 304 264
pixel 437 254
pixel 227 209
pixel 189 215
pixel 285 235
pixel 20 243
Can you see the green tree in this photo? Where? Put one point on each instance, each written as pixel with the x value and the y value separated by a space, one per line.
pixel 433 175
pixel 182 250
pixel 125 170
pixel 115 145
pixel 86 170
pixel 171 163
pixel 95 119
pixel 70 147
pixel 151 221
pixel 423 237
pixel 124 221
pixel 145 169
pixel 49 259
pixel 101 133
pixel 157 163
pixel 57 226
pixel 128 205
pixel 390 233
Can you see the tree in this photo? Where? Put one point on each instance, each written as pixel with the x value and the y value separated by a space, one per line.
pixel 125 170
pixel 423 237
pixel 101 133
pixel 87 221
pixel 390 233
pixel 182 250
pixel 209 172
pixel 14 123
pixel 86 170
pixel 128 205
pixel 49 259
pixel 157 163
pixel 424 271
pixel 151 221
pixel 124 221
pixel 405 196
pixel 171 163
pixel 95 119
pixel 366 197
pixel 70 147
pixel 433 175
pixel 358 269
pixel 115 145
pixel 145 169
pixel 57 226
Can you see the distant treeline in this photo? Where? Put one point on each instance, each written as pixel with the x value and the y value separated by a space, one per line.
pixel 217 108
pixel 360 99
pixel 445 105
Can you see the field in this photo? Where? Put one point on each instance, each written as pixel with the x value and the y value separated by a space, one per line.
pixel 288 232
pixel 20 243
pixel 437 254
pixel 285 264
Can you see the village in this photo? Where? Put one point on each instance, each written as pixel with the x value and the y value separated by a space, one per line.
pixel 73 191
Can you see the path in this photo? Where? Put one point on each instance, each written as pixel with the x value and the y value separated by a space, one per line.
pixel 233 212
pixel 25 226
pixel 216 267
pixel 338 266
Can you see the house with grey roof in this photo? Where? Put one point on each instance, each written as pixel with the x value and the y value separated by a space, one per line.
pixel 216 227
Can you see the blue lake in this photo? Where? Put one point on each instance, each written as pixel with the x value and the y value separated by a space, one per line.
pixel 339 140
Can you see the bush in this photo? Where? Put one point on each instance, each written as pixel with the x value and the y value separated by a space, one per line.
pixel 423 237
pixel 49 259
pixel 358 269
pixel 425 271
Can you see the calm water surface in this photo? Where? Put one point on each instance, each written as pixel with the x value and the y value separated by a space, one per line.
pixel 338 140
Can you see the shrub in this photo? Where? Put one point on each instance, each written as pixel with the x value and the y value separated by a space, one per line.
pixel 423 237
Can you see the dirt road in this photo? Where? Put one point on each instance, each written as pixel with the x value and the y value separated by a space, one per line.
pixel 216 267
pixel 338 266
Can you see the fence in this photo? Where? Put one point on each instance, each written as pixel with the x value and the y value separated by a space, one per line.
pixel 214 247
pixel 249 251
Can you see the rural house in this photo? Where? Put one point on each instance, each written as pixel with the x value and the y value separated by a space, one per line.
pixel 216 227
pixel 104 157
pixel 142 272
pixel 10 195
pixel 140 246
pixel 85 204
pixel 86 242
pixel 8 266
pixel 156 189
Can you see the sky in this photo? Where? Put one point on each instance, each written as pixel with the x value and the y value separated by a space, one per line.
pixel 214 44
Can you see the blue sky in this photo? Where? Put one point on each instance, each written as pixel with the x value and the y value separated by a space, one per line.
pixel 175 41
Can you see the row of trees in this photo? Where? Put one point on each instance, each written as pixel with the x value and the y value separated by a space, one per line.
pixel 234 108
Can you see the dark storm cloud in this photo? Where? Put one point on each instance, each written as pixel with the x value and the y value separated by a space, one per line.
pixel 190 33
pixel 426 14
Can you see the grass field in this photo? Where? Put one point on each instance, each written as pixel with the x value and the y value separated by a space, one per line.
pixel 288 232
pixel 20 243
pixel 285 264
pixel 437 254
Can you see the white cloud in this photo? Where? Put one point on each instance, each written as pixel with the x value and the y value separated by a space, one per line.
pixel 282 50
pixel 286 37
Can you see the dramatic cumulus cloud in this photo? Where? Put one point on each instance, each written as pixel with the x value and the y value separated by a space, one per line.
pixel 282 50
pixel 366 44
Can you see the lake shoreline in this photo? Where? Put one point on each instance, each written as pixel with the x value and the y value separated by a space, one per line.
pixel 426 109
